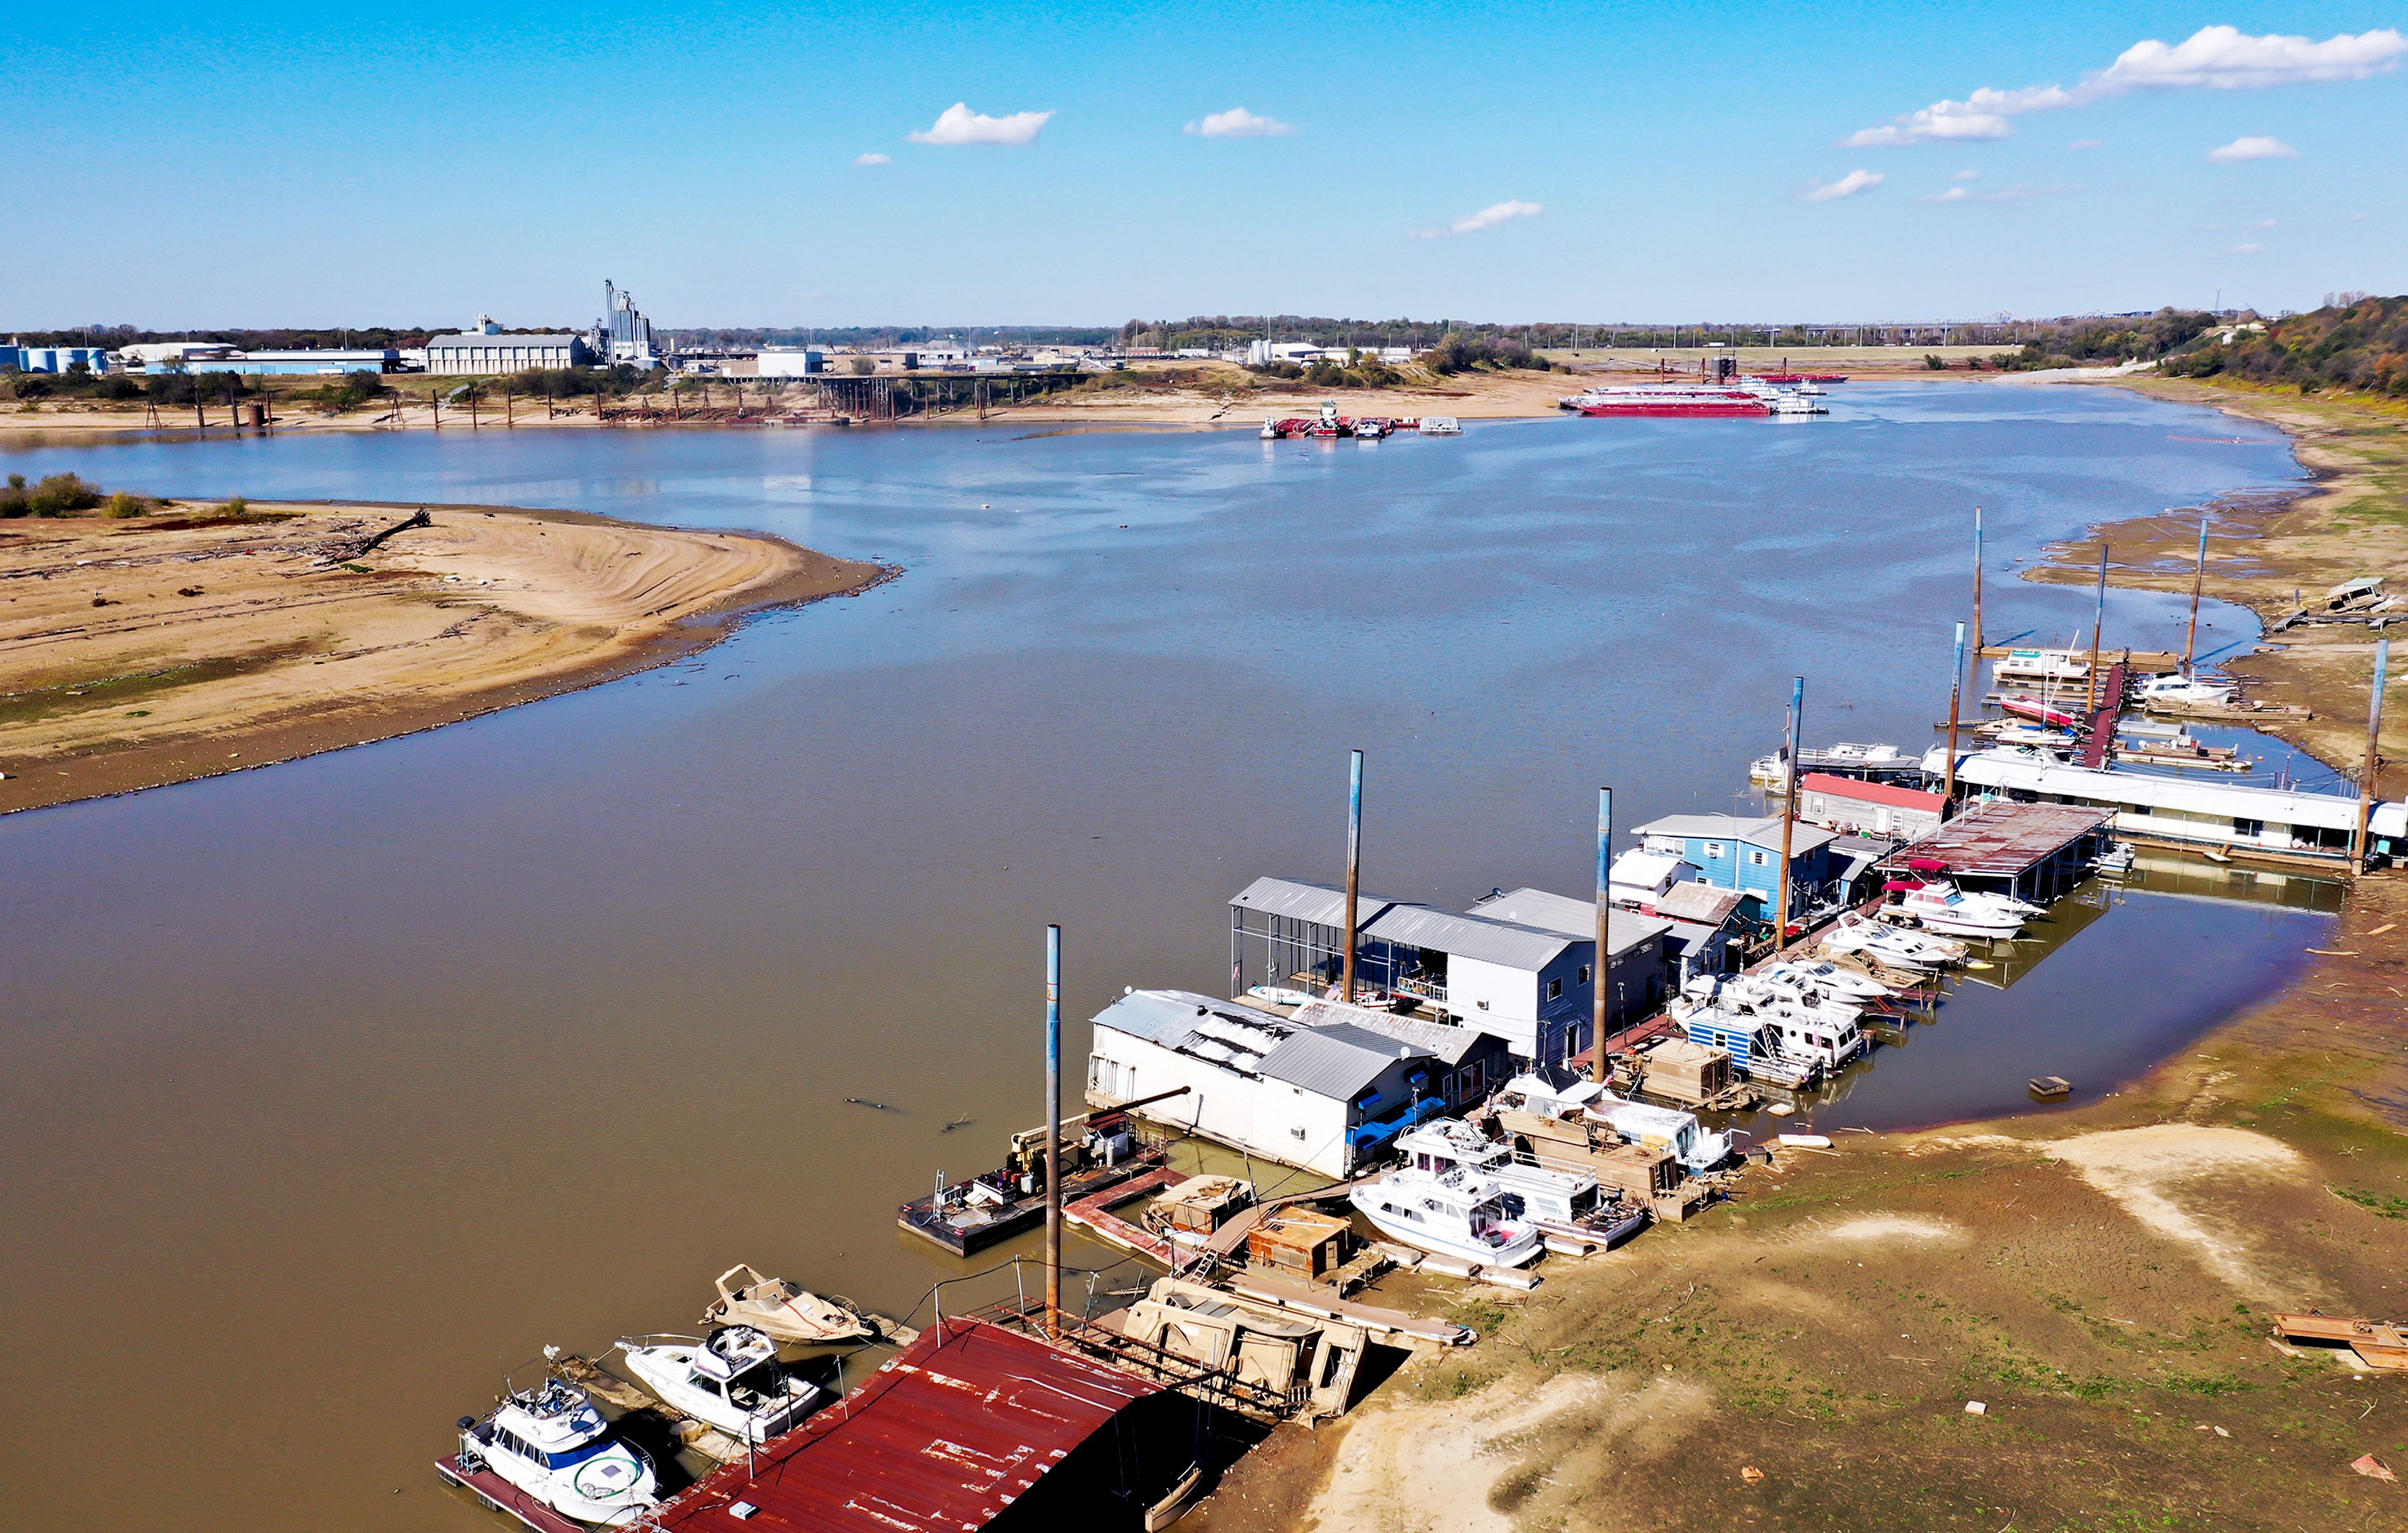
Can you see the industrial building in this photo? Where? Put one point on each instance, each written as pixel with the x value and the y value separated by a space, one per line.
pixel 1322 1092
pixel 629 334
pixel 488 349
pixel 52 359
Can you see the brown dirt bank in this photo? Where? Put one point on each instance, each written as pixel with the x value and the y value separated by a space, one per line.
pixel 149 650
pixel 2263 549
pixel 2100 1280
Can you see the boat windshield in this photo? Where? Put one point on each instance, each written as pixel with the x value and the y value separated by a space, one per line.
pixel 569 1459
pixel 756 1386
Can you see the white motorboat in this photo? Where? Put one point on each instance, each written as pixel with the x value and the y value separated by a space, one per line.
pixel 734 1381
pixel 1695 1147
pixel 1559 1202
pixel 1945 909
pixel 1809 1023
pixel 1439 425
pixel 1751 1037
pixel 2179 691
pixel 2118 860
pixel 1280 995
pixel 1829 977
pixel 551 1443
pixel 1892 945
pixel 1452 1212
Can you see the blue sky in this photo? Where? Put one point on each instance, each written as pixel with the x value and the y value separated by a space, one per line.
pixel 324 165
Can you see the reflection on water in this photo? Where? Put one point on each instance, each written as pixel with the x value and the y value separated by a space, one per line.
pixel 337 1088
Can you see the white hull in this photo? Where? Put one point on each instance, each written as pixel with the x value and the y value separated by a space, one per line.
pixel 1515 1253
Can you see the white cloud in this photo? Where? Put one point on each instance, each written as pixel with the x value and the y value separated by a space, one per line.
pixel 958 124
pixel 2217 58
pixel 2268 224
pixel 1966 175
pixel 2256 146
pixel 1954 193
pixel 1847 186
pixel 2358 218
pixel 1487 218
pixel 2251 248
pixel 2084 143
pixel 867 160
pixel 1238 123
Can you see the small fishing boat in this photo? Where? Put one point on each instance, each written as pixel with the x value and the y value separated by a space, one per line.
pixel 733 1380
pixel 2040 711
pixel 549 1444
pixel 2117 859
pixel 782 1309
pixel 1451 1212
pixel 1280 995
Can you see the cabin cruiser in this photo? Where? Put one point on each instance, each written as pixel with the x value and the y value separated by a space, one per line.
pixel 1453 1212
pixel 786 1311
pixel 1751 1037
pixel 1809 1027
pixel 1930 873
pixel 1828 977
pixel 550 1442
pixel 1945 909
pixel 1892 945
pixel 1847 758
pixel 1660 1127
pixel 2021 732
pixel 1560 1202
pixel 2179 691
pixel 733 1381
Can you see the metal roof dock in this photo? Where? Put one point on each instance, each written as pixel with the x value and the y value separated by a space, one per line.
pixel 2038 850
pixel 972 1426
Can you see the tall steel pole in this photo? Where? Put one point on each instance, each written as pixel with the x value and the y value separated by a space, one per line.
pixel 1788 814
pixel 2098 621
pixel 1956 696
pixel 1052 1130
pixel 1977 583
pixel 1354 865
pixel 1601 972
pixel 2365 827
pixel 2198 580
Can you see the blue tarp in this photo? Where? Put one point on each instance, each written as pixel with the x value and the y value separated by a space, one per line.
pixel 1366 1135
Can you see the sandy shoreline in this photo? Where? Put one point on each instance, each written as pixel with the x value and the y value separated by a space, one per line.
pixel 2097 1279
pixel 148 650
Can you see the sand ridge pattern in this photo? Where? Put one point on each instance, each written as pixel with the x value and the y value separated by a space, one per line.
pixel 154 650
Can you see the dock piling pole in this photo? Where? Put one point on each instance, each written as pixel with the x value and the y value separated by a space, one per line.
pixel 1955 694
pixel 2098 621
pixel 2363 831
pixel 1788 814
pixel 2198 579
pixel 1977 584
pixel 1354 868
pixel 1053 1130
pixel 1601 970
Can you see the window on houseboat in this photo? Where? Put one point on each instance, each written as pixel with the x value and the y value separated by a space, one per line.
pixel 1714 849
pixel 1555 989
pixel 1756 859
pixel 2248 827
pixel 1582 978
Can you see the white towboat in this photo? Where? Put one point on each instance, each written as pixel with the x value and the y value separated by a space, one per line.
pixel 550 1442
pixel 1452 1212
pixel 734 1381
pixel 783 1311
pixel 1696 1148
pixel 1553 1202
pixel 1828 978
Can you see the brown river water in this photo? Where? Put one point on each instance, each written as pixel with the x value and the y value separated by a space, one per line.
pixel 336 1088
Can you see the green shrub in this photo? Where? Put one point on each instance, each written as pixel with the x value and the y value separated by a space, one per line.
pixel 60 495
pixel 121 505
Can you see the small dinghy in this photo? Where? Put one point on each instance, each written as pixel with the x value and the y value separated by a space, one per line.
pixel 782 1309
pixel 549 1444
pixel 733 1381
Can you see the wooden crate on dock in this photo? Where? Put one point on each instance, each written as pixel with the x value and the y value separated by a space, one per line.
pixel 1690 1073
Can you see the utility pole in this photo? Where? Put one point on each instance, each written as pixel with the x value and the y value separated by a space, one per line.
pixel 1601 971
pixel 1956 696
pixel 2364 830
pixel 1977 584
pixel 1354 870
pixel 1054 1131
pixel 2198 580
pixel 1788 815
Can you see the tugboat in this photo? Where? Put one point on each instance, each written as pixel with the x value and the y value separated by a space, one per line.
pixel 548 1449
pixel 733 1381
pixel 1099 1151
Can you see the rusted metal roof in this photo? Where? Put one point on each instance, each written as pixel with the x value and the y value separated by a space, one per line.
pixel 2004 839
pixel 945 1435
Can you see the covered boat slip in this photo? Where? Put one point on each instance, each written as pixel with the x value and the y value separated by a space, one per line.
pixel 2033 851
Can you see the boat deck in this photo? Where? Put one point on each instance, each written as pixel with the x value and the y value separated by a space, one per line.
pixel 964 1232
pixel 1093 1213
pixel 495 1493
